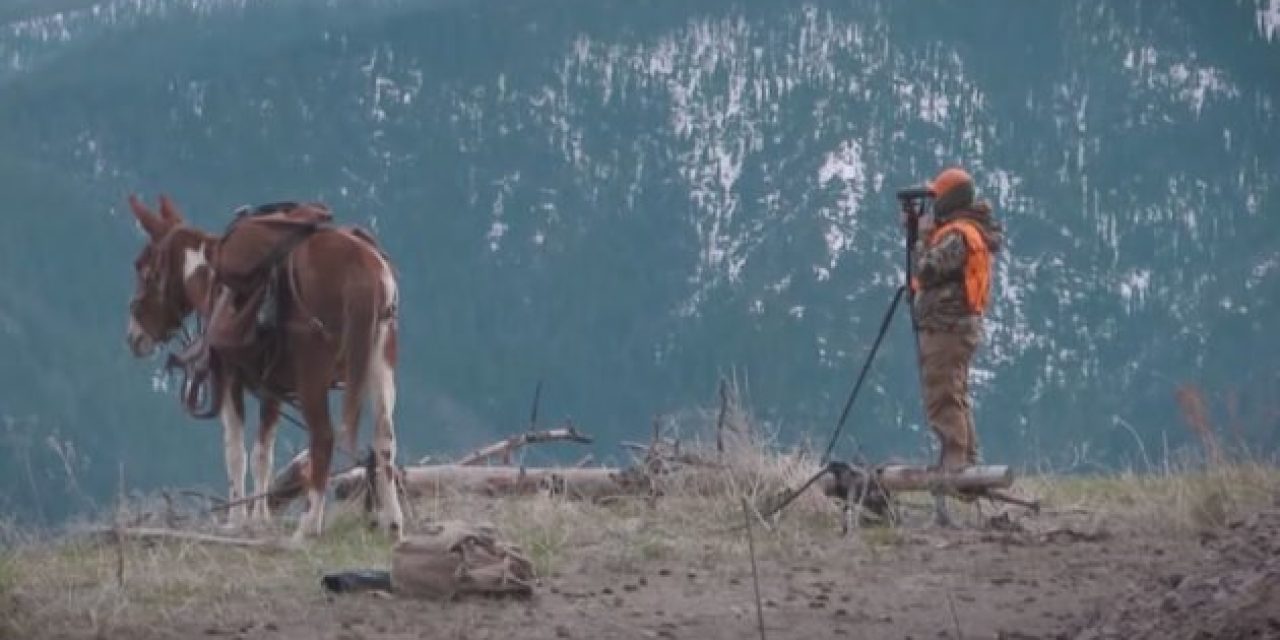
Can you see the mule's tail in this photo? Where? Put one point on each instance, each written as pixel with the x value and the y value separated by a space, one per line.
pixel 359 340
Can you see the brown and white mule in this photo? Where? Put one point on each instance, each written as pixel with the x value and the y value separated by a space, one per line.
pixel 338 325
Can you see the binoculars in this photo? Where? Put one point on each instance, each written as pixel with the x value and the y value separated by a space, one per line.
pixel 914 193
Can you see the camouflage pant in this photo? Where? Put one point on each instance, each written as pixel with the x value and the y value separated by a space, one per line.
pixel 944 372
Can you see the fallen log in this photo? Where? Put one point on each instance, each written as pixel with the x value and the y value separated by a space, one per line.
pixel 584 483
pixel 904 477
pixel 290 483
pixel 587 483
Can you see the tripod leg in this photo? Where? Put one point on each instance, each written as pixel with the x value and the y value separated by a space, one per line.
pixel 941 515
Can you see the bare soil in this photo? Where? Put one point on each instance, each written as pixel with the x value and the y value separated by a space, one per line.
pixel 1097 563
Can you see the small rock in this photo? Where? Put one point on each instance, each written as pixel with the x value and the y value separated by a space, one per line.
pixel 629 587
pixel 271 626
pixel 664 572
pixel 562 631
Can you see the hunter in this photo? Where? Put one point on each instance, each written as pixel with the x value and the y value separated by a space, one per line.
pixel 952 274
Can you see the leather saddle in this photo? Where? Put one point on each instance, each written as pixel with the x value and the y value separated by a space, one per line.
pixel 245 328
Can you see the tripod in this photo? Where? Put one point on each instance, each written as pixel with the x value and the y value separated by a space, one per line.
pixel 914 204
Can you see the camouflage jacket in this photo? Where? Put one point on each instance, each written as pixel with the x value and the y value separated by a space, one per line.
pixel 940 302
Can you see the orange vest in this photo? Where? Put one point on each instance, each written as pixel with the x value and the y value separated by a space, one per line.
pixel 977 267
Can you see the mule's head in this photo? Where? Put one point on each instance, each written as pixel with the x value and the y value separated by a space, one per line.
pixel 161 299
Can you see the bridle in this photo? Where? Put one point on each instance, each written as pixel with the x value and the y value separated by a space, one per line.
pixel 155 277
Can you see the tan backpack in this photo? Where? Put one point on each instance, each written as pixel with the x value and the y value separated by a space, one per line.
pixel 452 558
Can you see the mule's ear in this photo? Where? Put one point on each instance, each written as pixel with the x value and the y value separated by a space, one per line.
pixel 168 212
pixel 153 225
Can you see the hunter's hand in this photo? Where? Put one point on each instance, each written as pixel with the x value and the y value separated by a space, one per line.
pixel 926 225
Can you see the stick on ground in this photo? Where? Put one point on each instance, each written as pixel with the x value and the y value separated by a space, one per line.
pixel 755 573
pixel 119 534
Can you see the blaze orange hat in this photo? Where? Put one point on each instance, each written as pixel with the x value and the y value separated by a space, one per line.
pixel 948 180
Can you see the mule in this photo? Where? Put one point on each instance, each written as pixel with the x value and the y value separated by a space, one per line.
pixel 336 323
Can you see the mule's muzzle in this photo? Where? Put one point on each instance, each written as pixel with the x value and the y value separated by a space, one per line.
pixel 140 344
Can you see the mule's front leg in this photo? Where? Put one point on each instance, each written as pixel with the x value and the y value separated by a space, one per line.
pixel 232 415
pixel 263 457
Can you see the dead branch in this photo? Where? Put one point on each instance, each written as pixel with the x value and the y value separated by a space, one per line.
pixel 724 408
pixel 510 444
pixel 664 456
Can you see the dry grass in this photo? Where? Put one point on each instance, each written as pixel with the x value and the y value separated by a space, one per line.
pixel 1187 501
pixel 41 582
pixel 69 586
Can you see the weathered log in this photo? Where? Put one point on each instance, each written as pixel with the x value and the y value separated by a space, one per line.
pixel 290 483
pixel 586 483
pixel 903 477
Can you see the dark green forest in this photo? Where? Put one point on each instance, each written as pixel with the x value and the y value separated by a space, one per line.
pixel 630 200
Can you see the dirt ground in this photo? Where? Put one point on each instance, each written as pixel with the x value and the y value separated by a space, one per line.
pixel 1097 563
